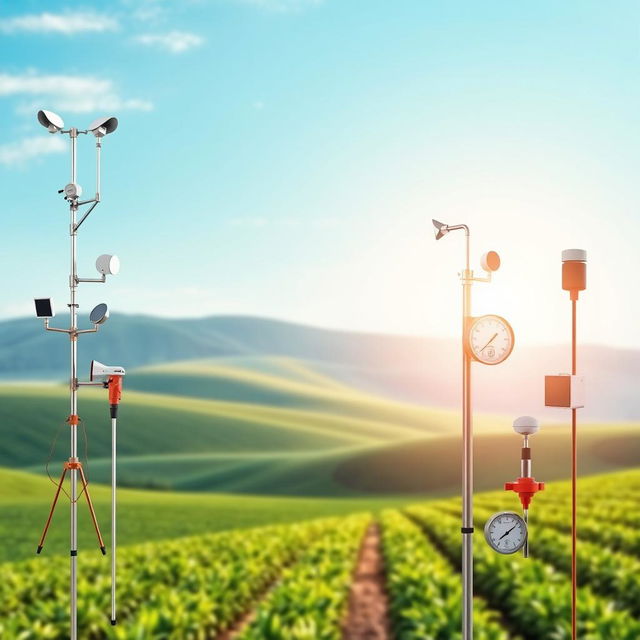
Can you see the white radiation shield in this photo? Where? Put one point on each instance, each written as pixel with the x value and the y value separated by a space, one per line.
pixel 99 371
pixel 108 265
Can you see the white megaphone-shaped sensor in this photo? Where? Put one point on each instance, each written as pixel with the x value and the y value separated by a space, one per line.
pixel 101 371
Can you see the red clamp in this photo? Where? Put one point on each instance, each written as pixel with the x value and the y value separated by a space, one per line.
pixel 526 488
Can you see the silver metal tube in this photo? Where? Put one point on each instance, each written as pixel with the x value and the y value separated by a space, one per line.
pixel 74 404
pixel 74 443
pixel 467 463
pixel 98 148
pixel 113 519
pixel 525 549
pixel 525 468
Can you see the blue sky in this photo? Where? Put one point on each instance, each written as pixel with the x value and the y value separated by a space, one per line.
pixel 284 158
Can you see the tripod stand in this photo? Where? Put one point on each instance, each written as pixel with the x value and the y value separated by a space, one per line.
pixel 76 465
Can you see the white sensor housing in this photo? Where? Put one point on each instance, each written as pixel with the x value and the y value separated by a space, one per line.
pixel 526 425
pixel 99 370
pixel 108 265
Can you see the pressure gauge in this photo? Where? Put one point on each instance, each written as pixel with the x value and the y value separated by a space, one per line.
pixel 506 532
pixel 489 339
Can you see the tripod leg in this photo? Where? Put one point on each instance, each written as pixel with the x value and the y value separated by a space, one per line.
pixel 113 519
pixel 92 511
pixel 53 506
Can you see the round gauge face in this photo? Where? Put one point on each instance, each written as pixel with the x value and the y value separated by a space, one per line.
pixel 490 339
pixel 506 532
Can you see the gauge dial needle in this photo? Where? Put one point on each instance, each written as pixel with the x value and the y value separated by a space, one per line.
pixel 506 533
pixel 493 337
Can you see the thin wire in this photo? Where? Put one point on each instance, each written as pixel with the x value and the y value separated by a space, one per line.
pixel 54 444
pixel 86 457
pixel 51 452
pixel 574 486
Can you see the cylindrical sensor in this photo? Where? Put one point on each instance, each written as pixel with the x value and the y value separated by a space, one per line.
pixel 574 271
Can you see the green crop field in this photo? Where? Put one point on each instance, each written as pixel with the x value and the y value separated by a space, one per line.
pixel 291 581
pixel 147 515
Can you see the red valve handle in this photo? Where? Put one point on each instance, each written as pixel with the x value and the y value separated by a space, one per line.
pixel 526 488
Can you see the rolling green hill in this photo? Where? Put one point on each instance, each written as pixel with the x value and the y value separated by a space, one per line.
pixel 276 427
pixel 412 369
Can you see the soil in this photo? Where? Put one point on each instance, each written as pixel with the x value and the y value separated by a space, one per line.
pixel 368 615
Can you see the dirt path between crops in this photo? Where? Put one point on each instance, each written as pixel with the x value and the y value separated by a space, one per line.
pixel 368 616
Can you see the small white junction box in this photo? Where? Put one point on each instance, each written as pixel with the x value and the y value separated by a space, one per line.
pixel 564 390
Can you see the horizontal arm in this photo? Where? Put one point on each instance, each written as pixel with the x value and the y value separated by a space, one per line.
pixel 48 328
pixel 102 279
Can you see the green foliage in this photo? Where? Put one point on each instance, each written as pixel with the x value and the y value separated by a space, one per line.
pixel 188 589
pixel 425 593
pixel 533 595
pixel 146 515
pixel 310 601
pixel 291 581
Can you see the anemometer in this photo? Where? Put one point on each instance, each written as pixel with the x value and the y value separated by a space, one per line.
pixel 100 375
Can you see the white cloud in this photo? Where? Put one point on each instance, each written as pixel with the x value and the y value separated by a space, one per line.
pixel 64 23
pixel 283 6
pixel 73 94
pixel 174 41
pixel 18 153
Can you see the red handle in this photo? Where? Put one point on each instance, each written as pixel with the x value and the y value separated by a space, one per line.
pixel 115 390
pixel 526 488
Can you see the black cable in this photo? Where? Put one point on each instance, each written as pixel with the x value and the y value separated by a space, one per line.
pixel 51 452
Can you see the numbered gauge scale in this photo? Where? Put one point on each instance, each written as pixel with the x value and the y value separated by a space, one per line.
pixel 489 339
pixel 506 532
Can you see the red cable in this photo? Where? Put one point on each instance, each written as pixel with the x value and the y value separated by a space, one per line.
pixel 574 485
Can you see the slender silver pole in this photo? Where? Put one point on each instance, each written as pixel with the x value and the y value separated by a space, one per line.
pixel 467 460
pixel 73 384
pixel 113 520
pixel 525 549
pixel 98 148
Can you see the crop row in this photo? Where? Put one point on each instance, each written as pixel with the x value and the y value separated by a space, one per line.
pixel 310 600
pixel 534 597
pixel 598 527
pixel 613 509
pixel 185 589
pixel 425 593
pixel 606 572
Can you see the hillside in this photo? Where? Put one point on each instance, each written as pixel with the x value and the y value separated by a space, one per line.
pixel 402 368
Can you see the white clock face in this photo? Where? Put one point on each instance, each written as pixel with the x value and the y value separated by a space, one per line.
pixel 490 339
pixel 506 532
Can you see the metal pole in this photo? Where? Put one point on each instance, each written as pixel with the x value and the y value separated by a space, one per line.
pixel 525 472
pixel 574 485
pixel 73 384
pixel 113 520
pixel 467 461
